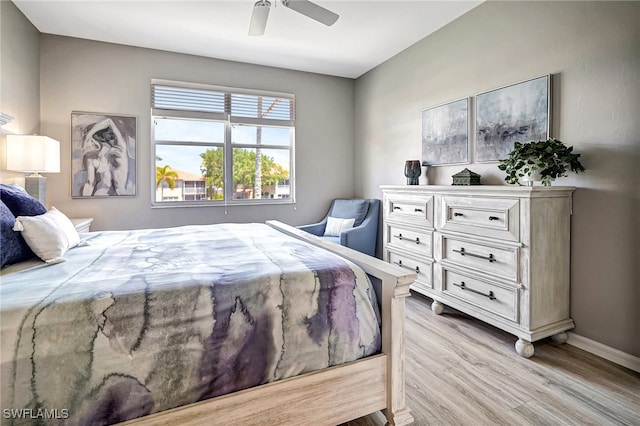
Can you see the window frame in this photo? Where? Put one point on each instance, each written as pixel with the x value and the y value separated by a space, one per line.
pixel 229 120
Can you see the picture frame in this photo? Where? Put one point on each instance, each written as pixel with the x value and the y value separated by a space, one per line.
pixel 518 112
pixel 103 155
pixel 445 133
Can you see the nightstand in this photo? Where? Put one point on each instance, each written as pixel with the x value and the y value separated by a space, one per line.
pixel 82 224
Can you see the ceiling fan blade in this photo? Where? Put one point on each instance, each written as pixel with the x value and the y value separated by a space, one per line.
pixel 312 10
pixel 259 18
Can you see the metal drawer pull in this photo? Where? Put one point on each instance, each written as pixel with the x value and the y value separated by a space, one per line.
pixel 397 208
pixel 464 287
pixel 462 251
pixel 399 263
pixel 417 210
pixel 458 214
pixel 400 237
pixel 494 218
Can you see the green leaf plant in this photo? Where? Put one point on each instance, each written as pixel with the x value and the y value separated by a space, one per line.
pixel 551 158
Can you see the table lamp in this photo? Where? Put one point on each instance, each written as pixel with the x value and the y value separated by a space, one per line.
pixel 35 154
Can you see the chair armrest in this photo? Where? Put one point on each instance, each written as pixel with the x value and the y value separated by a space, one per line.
pixel 314 228
pixel 362 238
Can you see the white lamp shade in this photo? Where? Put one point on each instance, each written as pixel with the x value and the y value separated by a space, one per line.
pixel 33 153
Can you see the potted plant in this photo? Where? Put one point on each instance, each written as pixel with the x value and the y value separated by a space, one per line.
pixel 541 160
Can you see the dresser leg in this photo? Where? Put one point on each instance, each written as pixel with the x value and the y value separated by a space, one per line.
pixel 437 307
pixel 560 338
pixel 524 349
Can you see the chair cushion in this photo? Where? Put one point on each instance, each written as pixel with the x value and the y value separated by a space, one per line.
pixel 350 209
pixel 332 239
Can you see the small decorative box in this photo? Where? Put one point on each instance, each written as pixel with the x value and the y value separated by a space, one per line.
pixel 466 177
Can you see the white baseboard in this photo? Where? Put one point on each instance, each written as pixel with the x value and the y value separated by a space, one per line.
pixel 604 351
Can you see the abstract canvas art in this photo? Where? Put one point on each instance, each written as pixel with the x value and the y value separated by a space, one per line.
pixel 103 155
pixel 520 112
pixel 445 133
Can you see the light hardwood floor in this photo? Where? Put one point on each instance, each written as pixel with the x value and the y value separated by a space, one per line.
pixel 461 371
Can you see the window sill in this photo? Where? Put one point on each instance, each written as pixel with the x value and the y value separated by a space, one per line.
pixel 186 204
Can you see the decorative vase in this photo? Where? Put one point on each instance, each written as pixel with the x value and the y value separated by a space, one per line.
pixel 531 178
pixel 424 178
pixel 412 171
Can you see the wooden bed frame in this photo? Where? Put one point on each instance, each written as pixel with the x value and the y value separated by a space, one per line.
pixel 326 397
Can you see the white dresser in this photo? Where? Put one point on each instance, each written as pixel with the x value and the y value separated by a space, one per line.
pixel 499 253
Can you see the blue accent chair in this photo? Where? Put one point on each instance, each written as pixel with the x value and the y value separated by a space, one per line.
pixel 364 234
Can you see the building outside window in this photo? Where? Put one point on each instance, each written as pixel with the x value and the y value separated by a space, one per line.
pixel 217 145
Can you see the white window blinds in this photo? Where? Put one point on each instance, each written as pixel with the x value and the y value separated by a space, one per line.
pixel 184 99
pixel 264 107
pixel 254 108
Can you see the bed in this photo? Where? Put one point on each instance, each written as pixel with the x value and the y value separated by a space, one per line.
pixel 131 327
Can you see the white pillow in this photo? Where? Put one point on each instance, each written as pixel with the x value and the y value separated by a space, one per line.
pixel 49 235
pixel 336 225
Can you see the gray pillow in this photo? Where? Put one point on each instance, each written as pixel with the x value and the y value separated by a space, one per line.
pixel 350 209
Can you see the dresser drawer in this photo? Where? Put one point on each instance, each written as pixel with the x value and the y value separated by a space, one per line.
pixel 485 258
pixel 422 268
pixel 415 210
pixel 484 216
pixel 417 242
pixel 489 296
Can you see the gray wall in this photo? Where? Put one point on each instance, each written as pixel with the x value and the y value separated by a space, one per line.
pixel 82 75
pixel 19 77
pixel 593 51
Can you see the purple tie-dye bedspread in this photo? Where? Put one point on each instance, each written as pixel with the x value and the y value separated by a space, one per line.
pixel 142 321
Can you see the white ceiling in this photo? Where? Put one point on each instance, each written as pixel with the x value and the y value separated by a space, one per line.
pixel 366 34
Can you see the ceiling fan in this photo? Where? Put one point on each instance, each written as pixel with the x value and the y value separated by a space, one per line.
pixel 305 7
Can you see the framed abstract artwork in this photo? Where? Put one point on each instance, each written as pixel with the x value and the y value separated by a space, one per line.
pixel 103 155
pixel 445 134
pixel 520 112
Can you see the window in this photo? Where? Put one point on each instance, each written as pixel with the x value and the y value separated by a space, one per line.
pixel 215 145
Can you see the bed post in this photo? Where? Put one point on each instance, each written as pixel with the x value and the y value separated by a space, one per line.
pixel 394 293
